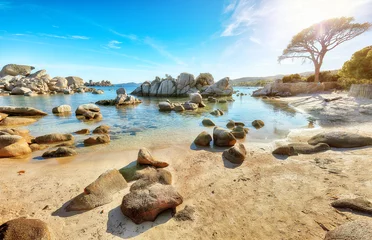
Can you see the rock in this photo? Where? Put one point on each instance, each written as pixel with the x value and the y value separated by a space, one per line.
pixel 223 138
pixel 97 91
pixel 167 88
pixel 89 111
pixel 203 139
pixel 23 133
pixel 75 81
pixel 208 123
pixel 165 106
pixel 68 91
pixel 341 140
pixel 21 111
pixel 303 148
pixel 185 84
pixel 289 89
pixel 97 140
pixel 239 124
pixel 123 99
pixel 202 104
pixel 230 124
pixel 103 129
pixel 99 192
pixel 145 158
pixel 54 138
pixel 190 106
pixel 239 132
pixel 220 88
pixel 217 112
pixel 15 69
pixel 3 116
pixel 36 147
pixel 20 91
pixel 154 87
pixel 31 94
pixel 145 204
pixel 59 152
pixel 154 175
pixel 25 229
pixel 357 204
pixel 222 101
pixel 13 146
pixel 178 108
pixel 60 83
pixel 196 98
pixel 355 230
pixel 204 80
pixel 62 109
pixel 17 121
pixel 235 154
pixel 121 91
pixel 110 102
pixel 187 214
pixel 212 99
pixel 258 124
pixel 82 131
pixel 285 150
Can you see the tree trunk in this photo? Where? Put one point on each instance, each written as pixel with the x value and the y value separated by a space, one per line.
pixel 317 71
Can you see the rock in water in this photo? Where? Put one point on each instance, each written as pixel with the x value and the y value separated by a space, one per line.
pixel 145 204
pixel 89 111
pixel 82 131
pixel 60 152
pixel 20 91
pixel 178 108
pixel 239 132
pixel 145 158
pixel 103 129
pixel 13 146
pixel 165 106
pixel 203 139
pixel 75 81
pixel 223 138
pixel 235 154
pixel 54 138
pixel 208 123
pixel 190 106
pixel 62 109
pixel 121 91
pixel 25 229
pixel 230 124
pixel 217 112
pixel 341 140
pixel 258 124
pixel 15 69
pixel 355 230
pixel 17 121
pixel 99 192
pixel 196 98
pixel 97 140
pixel 357 204
pixel 22 111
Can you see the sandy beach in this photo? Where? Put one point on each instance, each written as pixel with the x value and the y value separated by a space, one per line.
pixel 264 198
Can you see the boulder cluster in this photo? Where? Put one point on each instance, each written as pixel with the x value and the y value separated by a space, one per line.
pixel 184 85
pixel 122 99
pixel 103 83
pixel 19 80
pixel 195 102
pixel 150 194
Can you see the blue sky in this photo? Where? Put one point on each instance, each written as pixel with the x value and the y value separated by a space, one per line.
pixel 125 41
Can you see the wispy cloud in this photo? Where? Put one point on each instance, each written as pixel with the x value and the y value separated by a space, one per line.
pixel 114 44
pixel 255 40
pixel 128 36
pixel 150 42
pixel 63 36
pixel 80 37
pixel 230 7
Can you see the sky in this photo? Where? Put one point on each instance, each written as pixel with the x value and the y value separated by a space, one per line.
pixel 136 40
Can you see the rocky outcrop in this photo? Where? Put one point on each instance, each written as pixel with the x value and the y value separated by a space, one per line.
pixel 97 140
pixel 89 111
pixel 103 83
pixel 223 138
pixel 25 229
pixel 355 230
pixel 15 69
pixel 289 89
pixel 62 109
pixel 235 154
pixel 75 82
pixel 142 205
pixel 59 152
pixel 121 99
pixel 21 111
pixel 99 192
pixel 184 85
pixel 203 139
pixel 341 140
pixel 13 146
pixel 300 148
pixel 54 138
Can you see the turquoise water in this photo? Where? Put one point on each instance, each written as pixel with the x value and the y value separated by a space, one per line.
pixel 143 125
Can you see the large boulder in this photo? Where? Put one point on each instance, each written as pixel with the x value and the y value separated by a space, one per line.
pixel 165 106
pixel 59 152
pixel 97 140
pixel 341 140
pixel 121 91
pixel 20 91
pixel 167 88
pixel 22 111
pixel 62 109
pixel 154 87
pixel 203 139
pixel 196 98
pixel 17 121
pixel 239 132
pixel 145 158
pixel 75 82
pixel 89 111
pixel 124 99
pixel 54 138
pixel 145 87
pixel 208 122
pixel 204 80
pixel 185 83
pixel 103 129
pixel 99 192
pixel 223 138
pixel 25 229
pixel 15 69
pixel 258 124
pixel 145 204
pixel 220 88
pixel 60 82
pixel 355 230
pixel 235 154
pixel 13 146
pixel 38 74
pixel 20 132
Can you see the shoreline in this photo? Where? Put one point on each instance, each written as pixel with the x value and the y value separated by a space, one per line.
pixel 268 197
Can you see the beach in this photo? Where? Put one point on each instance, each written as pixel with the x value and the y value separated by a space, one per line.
pixel 266 197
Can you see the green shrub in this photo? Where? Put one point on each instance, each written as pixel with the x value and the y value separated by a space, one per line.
pixel 293 78
pixel 359 66
pixel 325 76
pixel 347 82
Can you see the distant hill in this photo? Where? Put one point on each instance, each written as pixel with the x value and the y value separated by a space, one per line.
pixel 130 84
pixel 253 79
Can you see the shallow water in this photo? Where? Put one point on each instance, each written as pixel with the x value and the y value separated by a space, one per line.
pixel 143 125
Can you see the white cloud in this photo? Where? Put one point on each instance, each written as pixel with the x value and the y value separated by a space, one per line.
pixel 114 44
pixel 80 37
pixel 128 36
pixel 62 37
pixel 255 40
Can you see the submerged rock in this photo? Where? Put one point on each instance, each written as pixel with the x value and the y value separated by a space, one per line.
pixel 97 140
pixel 190 106
pixel 203 139
pixel 341 140
pixel 145 158
pixel 103 129
pixel 223 138
pixel 145 204
pixel 25 229
pixel 99 192
pixel 354 230
pixel 208 122
pixel 235 154
pixel 83 131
